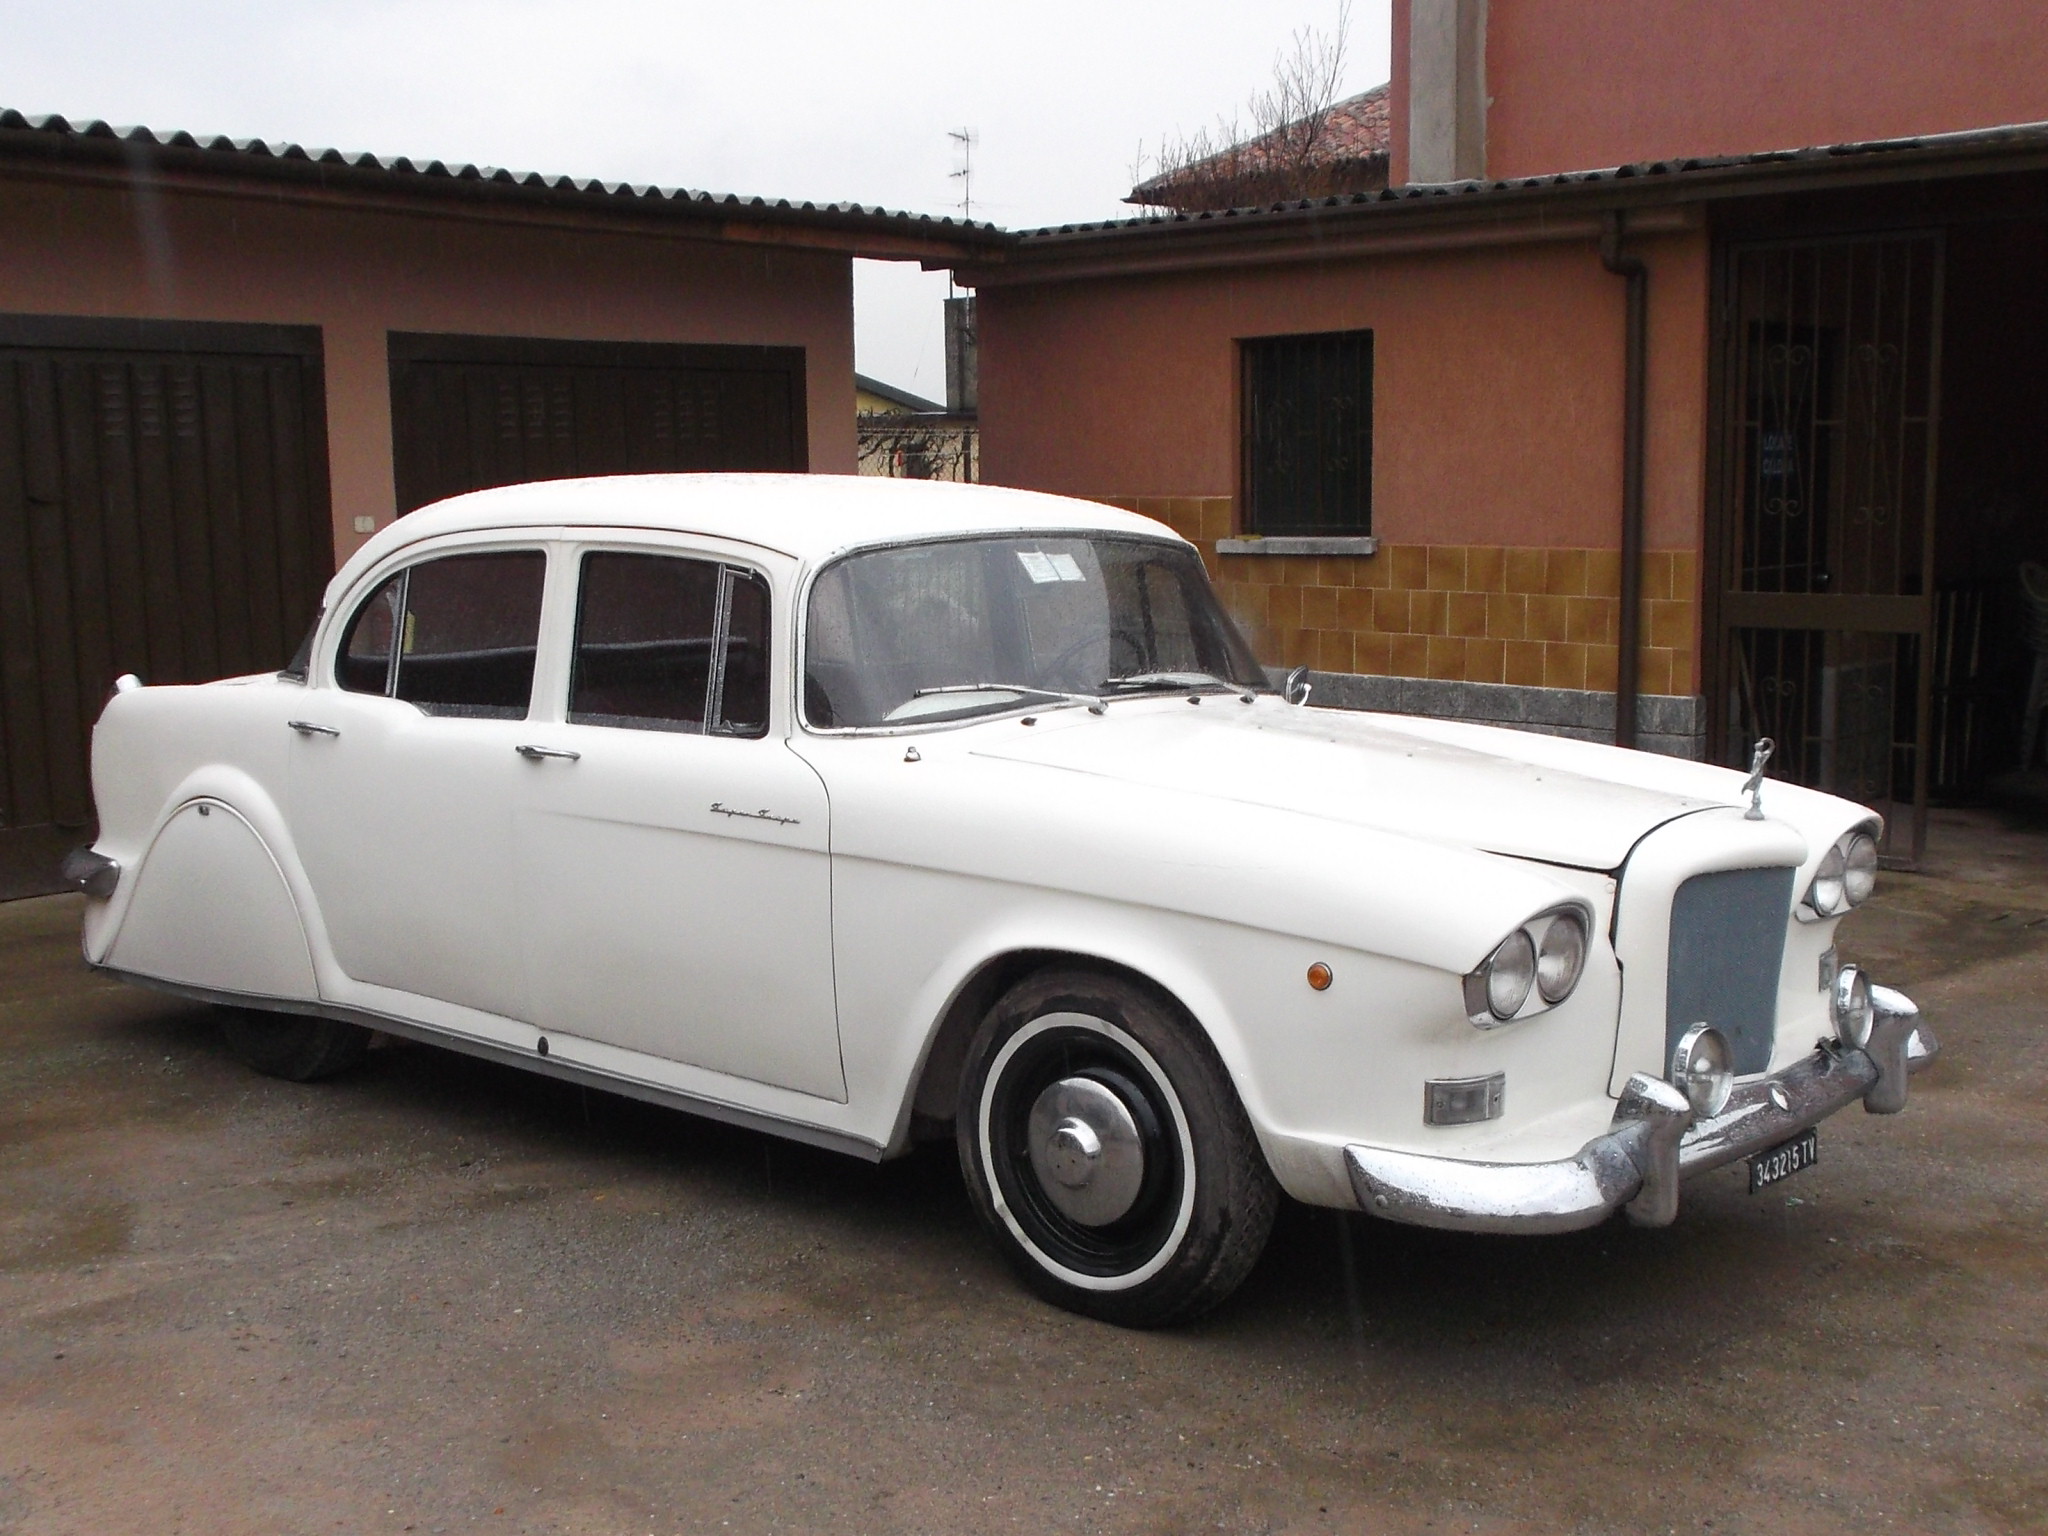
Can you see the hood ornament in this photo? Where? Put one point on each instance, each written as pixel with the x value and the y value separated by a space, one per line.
pixel 1753 786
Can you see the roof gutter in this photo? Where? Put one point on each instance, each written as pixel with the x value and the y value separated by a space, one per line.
pixel 1635 354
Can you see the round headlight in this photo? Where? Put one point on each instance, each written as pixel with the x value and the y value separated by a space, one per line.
pixel 1702 1069
pixel 1851 1007
pixel 1828 895
pixel 1509 974
pixel 1859 867
pixel 1561 957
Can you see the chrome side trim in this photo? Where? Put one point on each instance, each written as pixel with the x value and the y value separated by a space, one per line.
pixel 551 1066
pixel 1655 1141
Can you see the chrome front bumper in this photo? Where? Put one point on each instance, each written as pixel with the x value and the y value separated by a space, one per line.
pixel 1655 1142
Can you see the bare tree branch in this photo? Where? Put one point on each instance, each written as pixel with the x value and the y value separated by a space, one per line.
pixel 1284 155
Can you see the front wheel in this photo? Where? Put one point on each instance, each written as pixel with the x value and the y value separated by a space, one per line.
pixel 1108 1154
pixel 291 1045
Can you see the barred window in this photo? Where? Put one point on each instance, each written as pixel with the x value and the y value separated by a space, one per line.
pixel 1308 433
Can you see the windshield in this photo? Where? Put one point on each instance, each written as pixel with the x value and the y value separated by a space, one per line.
pixel 974 626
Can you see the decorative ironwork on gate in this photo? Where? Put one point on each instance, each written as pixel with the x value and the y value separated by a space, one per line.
pixel 1830 353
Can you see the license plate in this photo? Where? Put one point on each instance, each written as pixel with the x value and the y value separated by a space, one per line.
pixel 1785 1159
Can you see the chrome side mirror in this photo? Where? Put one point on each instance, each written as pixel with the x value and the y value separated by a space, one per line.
pixel 1297 687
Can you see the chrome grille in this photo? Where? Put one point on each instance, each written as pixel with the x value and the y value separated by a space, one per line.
pixel 1727 947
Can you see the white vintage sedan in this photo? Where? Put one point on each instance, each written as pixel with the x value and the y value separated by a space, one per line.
pixel 862 811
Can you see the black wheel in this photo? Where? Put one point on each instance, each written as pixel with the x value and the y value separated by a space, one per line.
pixel 291 1045
pixel 1108 1154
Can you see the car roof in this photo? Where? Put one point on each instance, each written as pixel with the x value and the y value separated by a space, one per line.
pixel 811 517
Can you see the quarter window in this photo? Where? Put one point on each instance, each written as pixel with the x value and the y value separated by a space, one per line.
pixel 1307 451
pixel 666 643
pixel 455 636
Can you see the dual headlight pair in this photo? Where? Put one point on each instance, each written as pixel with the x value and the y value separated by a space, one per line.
pixel 1845 879
pixel 1543 959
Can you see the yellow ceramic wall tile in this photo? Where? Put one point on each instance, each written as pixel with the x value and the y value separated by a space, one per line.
pixel 1411 566
pixel 1600 664
pixel 1523 663
pixel 1376 571
pixel 1466 613
pixel 1656 574
pixel 1590 620
pixel 1337 572
pixel 1446 568
pixel 1408 656
pixel 1373 653
pixel 1445 658
pixel 1507 615
pixel 1354 608
pixel 1291 646
pixel 1683 677
pixel 1283 607
pixel 1564 572
pixel 1333 650
pixel 1564 665
pixel 1685 573
pixel 1485 568
pixel 1318 607
pixel 1485 661
pixel 1427 612
pixel 1669 624
pixel 1547 618
pixel 1524 572
pixel 1603 573
pixel 1655 674
pixel 1390 611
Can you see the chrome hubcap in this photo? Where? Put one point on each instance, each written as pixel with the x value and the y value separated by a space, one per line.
pixel 1086 1151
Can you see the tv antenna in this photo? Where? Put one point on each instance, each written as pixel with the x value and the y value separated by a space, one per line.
pixel 966 138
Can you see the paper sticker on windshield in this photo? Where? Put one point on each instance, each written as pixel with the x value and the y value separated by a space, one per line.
pixel 1042 568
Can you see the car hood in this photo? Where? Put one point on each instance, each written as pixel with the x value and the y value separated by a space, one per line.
pixel 1478 787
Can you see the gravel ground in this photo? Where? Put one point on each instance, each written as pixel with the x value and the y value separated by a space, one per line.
pixel 444 1296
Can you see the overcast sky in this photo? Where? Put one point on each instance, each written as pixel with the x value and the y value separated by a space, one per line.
pixel 786 98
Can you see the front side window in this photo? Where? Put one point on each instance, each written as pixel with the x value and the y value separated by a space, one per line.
pixel 667 643
pixel 1307 449
pixel 953 628
pixel 455 636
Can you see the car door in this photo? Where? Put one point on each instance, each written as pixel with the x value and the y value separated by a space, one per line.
pixel 674 856
pixel 405 772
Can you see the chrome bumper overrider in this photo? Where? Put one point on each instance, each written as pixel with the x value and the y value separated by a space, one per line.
pixel 1656 1140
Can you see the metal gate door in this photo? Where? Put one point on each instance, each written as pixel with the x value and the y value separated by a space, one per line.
pixel 1830 353
pixel 476 411
pixel 163 510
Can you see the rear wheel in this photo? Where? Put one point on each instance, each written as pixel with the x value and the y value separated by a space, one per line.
pixel 1108 1154
pixel 291 1045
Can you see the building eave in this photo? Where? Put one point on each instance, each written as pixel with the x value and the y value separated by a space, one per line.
pixel 96 152
pixel 1655 194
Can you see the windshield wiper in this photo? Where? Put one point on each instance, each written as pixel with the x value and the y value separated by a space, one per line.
pixel 1174 682
pixel 1094 704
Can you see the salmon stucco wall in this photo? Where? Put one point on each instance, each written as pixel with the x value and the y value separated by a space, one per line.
pixel 1497 412
pixel 359 272
pixel 1573 85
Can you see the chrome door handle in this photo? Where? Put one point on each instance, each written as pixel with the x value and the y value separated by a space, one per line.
pixel 312 728
pixel 535 754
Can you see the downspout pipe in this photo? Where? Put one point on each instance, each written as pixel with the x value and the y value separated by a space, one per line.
pixel 1635 348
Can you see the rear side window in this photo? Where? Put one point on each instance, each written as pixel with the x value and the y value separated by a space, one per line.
pixel 455 636
pixel 667 643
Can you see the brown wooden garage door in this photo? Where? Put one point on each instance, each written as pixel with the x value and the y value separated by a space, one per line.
pixel 163 511
pixel 476 411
